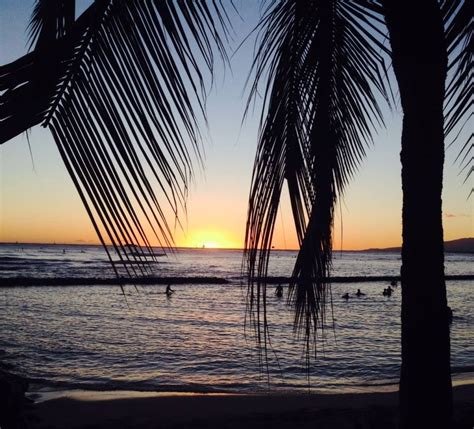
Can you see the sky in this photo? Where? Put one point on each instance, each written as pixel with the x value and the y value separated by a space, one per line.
pixel 38 201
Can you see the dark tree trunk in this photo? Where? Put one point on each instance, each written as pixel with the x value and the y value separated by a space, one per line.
pixel 420 63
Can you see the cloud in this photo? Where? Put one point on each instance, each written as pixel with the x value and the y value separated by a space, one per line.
pixel 452 215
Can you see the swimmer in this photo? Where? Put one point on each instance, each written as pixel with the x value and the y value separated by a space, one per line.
pixel 359 293
pixel 169 291
pixel 279 291
pixel 345 296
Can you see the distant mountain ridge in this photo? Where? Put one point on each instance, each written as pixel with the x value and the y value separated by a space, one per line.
pixel 461 245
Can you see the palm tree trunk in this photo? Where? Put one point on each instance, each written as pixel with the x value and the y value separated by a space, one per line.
pixel 420 63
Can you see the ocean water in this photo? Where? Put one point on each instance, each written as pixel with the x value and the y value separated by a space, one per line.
pixel 95 337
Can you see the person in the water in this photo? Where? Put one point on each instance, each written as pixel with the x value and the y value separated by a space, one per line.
pixel 359 293
pixel 169 291
pixel 345 296
pixel 279 291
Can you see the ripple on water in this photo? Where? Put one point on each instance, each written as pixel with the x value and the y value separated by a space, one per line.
pixel 94 337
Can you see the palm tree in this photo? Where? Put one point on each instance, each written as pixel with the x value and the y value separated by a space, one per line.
pixel 324 70
pixel 118 87
pixel 420 63
pixel 321 104
pixel 122 90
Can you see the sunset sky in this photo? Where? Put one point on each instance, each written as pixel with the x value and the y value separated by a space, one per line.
pixel 38 202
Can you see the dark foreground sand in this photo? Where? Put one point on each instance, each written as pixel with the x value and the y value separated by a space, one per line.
pixel 362 410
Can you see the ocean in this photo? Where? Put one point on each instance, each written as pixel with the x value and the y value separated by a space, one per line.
pixel 96 337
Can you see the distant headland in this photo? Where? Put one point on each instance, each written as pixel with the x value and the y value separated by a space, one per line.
pixel 461 245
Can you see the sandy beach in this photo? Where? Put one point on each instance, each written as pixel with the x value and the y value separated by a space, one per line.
pixel 103 410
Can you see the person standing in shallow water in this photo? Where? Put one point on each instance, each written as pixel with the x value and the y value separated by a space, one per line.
pixel 279 291
pixel 169 291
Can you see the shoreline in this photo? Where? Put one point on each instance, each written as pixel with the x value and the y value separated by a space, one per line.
pixel 334 410
pixel 42 392
pixel 41 395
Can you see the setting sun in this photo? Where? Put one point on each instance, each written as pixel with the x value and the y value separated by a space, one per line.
pixel 211 239
pixel 212 184
pixel 211 245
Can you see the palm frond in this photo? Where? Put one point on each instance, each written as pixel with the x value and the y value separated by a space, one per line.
pixel 28 84
pixel 458 104
pixel 22 99
pixel 121 101
pixel 50 21
pixel 325 68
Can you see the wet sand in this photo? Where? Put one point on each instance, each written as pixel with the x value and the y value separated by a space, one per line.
pixel 358 410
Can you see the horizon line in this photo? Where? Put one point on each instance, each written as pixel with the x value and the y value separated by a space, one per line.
pixel 169 247
pixel 207 248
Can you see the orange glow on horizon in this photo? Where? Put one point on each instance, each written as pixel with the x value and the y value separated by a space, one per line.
pixel 210 239
pixel 67 222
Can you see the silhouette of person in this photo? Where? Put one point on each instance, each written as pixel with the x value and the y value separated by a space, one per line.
pixel 359 293
pixel 388 291
pixel 169 291
pixel 345 296
pixel 279 291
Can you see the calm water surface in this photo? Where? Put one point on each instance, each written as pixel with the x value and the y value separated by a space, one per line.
pixel 92 337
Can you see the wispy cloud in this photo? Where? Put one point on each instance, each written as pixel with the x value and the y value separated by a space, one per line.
pixel 452 215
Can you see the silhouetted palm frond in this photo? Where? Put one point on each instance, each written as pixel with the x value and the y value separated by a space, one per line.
pixel 458 106
pixel 119 89
pixel 325 62
pixel 51 20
